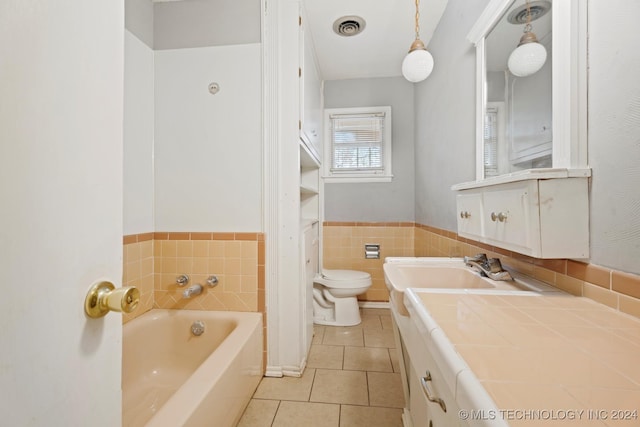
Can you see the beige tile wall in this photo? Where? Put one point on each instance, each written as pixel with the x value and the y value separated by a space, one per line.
pixel 138 270
pixel 344 249
pixel 616 289
pixel 152 262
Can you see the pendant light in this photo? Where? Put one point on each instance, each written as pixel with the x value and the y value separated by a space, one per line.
pixel 418 63
pixel 529 57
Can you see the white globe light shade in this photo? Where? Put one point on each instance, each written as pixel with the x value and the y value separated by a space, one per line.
pixel 527 59
pixel 417 65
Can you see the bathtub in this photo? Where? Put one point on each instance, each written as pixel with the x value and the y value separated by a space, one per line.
pixel 171 378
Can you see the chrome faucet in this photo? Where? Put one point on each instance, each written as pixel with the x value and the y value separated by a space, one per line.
pixel 192 290
pixel 489 267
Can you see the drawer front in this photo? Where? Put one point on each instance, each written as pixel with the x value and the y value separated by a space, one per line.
pixel 428 382
pixel 469 214
pixel 511 217
pixel 427 379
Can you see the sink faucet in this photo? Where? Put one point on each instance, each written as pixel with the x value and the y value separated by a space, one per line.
pixel 489 267
pixel 192 290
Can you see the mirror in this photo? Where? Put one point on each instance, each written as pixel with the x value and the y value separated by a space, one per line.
pixel 541 129
pixel 517 123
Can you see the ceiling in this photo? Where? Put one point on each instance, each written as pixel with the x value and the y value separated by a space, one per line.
pixel 379 50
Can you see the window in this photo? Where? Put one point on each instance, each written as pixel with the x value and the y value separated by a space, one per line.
pixel 491 142
pixel 358 144
pixel 496 153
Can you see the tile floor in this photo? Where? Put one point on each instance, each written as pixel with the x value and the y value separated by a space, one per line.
pixel 352 379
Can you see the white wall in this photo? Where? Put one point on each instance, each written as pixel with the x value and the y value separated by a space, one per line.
pixel 200 23
pixel 445 117
pixel 138 136
pixel 445 127
pixel 388 201
pixel 208 155
pixel 614 133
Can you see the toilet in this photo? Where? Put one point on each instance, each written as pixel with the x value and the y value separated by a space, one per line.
pixel 335 294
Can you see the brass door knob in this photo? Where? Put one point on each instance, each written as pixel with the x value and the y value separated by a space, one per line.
pixel 104 297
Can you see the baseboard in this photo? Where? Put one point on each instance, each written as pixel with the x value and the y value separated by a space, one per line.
pixel 373 304
pixel 273 371
pixel 285 371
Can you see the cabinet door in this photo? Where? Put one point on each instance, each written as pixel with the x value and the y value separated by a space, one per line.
pixel 511 217
pixel 311 96
pixel 469 214
pixel 309 270
pixel 423 411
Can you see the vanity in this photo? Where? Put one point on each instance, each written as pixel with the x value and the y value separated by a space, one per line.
pixel 474 352
pixel 508 354
pixel 531 192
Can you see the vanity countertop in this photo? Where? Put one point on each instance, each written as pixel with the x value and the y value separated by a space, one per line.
pixel 546 359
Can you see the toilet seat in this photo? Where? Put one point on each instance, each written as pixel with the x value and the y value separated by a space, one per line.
pixel 343 279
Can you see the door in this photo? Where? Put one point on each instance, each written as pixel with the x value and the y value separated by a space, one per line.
pixel 61 71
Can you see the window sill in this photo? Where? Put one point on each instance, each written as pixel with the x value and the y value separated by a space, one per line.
pixel 350 179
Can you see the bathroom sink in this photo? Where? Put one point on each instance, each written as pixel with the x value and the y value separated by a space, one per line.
pixel 401 273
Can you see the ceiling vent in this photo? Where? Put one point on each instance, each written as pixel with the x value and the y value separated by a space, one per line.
pixel 538 10
pixel 348 26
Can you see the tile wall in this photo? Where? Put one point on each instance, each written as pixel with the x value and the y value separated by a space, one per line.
pixel 344 248
pixel 138 270
pixel 152 261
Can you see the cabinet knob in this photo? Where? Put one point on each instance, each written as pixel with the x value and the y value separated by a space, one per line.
pixel 501 216
pixel 464 214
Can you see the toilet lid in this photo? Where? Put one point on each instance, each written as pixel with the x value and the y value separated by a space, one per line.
pixel 344 275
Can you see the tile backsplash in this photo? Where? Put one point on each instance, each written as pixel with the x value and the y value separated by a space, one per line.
pixel 152 261
pixel 344 249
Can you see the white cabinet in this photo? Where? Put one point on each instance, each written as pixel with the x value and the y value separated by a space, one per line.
pixel 429 390
pixel 309 261
pixel 311 99
pixel 309 185
pixel 469 218
pixel 426 381
pixel 542 218
pixel 510 215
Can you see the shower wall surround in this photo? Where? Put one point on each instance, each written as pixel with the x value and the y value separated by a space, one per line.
pixel 192 165
pixel 152 261
pixel 207 148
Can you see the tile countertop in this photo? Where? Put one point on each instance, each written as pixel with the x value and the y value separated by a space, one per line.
pixel 544 359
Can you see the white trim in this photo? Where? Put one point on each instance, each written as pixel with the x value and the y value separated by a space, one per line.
pixel 524 175
pixel 281 181
pixel 481 105
pixel 364 176
pixel 350 178
pixel 270 102
pixel 569 74
pixel 487 20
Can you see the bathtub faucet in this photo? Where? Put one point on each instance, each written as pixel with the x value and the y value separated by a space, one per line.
pixel 192 290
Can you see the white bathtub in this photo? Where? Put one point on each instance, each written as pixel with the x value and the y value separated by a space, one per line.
pixel 172 378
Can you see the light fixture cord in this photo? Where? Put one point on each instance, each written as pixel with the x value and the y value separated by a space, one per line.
pixel 527 27
pixel 417 19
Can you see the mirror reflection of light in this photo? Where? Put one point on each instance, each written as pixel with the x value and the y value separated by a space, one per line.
pixel 527 59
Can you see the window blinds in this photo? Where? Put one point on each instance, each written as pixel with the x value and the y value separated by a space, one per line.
pixel 357 142
pixel 491 142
